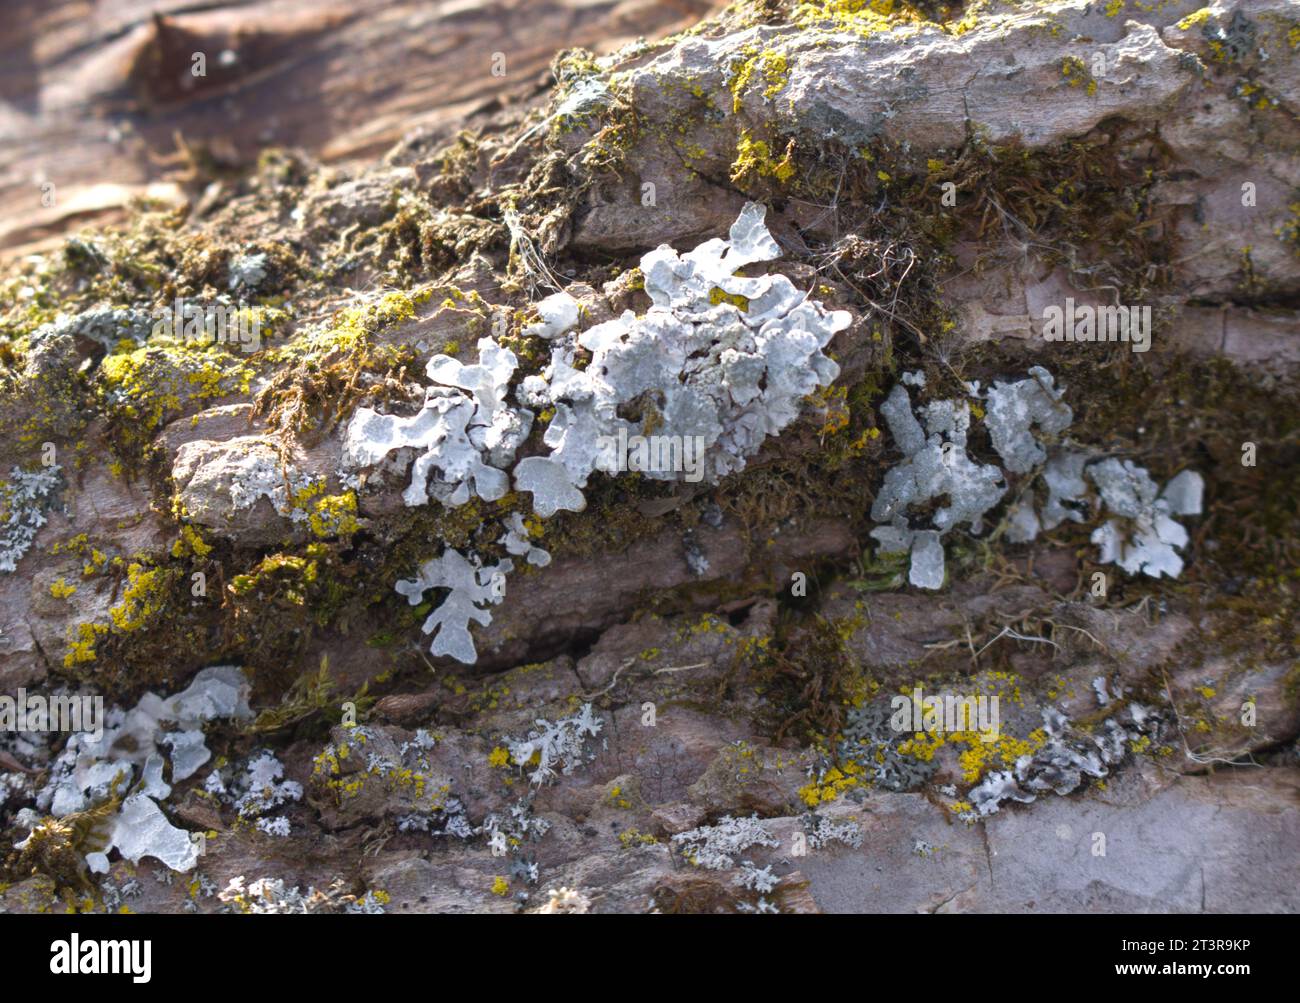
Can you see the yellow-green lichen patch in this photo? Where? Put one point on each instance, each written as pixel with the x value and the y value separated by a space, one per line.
pixel 1075 72
pixel 142 389
pixel 327 515
pixel 60 589
pixel 1195 18
pixel 145 597
pixel 190 541
pixel 769 67
pixel 860 17
pixel 754 159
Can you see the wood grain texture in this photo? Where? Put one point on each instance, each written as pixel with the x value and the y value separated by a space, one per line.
pixel 94 95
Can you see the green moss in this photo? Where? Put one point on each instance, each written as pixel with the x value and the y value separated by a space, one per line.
pixel 313 694
pixel 319 375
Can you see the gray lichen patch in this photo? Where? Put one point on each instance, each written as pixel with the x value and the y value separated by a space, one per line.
pixel 463 438
pixel 1024 419
pixel 719 363
pixel 1015 409
pixel 518 542
pixel 936 466
pixel 1067 759
pixel 247 272
pixel 715 847
pixel 688 391
pixel 555 748
pixel 128 754
pixel 24 499
pixel 104 326
pixel 473 588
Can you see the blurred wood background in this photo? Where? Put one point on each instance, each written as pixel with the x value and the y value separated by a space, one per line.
pixel 98 96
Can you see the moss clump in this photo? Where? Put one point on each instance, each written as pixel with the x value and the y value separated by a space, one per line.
pixel 289 581
pixel 326 374
pixel 57 847
pixel 312 695
pixel 146 595
pixel 809 678
pixel 156 630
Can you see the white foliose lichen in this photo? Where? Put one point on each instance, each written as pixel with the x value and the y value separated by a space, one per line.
pixel 130 751
pixel 449 820
pixel 520 827
pixel 715 846
pixel 562 744
pixel 719 362
pixel 256 789
pixel 474 587
pixel 1140 536
pixel 518 542
pixel 1015 409
pixel 1145 539
pixel 219 480
pixel 935 466
pixel 24 500
pixel 557 314
pixel 463 438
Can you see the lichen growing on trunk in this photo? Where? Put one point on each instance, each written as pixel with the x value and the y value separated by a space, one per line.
pixel 599 475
